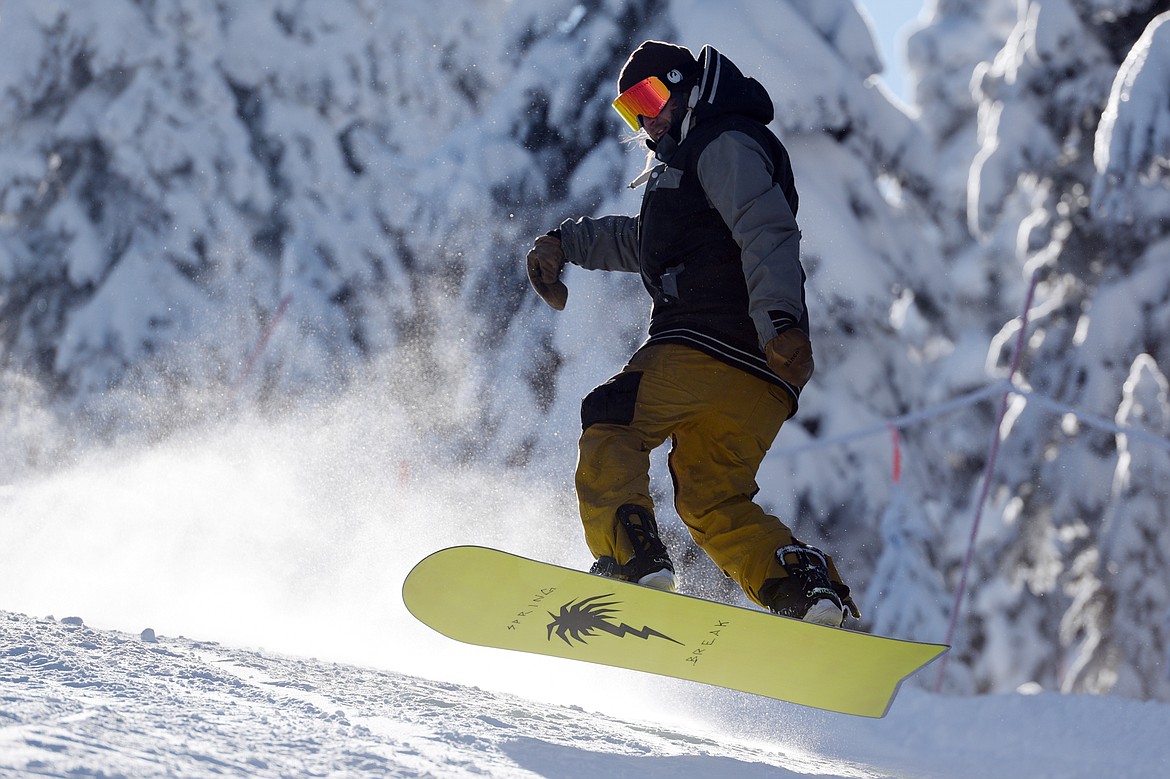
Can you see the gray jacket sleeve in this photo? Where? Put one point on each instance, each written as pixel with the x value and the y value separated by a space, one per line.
pixel 736 174
pixel 602 243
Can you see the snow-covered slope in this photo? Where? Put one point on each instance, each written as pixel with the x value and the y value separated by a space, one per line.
pixel 75 701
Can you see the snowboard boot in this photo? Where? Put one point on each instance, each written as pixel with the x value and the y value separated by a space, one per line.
pixel 806 593
pixel 650 566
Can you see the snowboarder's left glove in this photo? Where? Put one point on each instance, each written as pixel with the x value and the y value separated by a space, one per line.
pixel 790 356
pixel 545 262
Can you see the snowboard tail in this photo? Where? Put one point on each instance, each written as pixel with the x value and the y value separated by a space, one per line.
pixel 491 598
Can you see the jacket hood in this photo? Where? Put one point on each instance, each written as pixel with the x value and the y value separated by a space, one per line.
pixel 721 89
pixel 724 89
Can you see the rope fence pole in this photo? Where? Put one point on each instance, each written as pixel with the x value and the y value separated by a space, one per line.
pixel 262 342
pixel 988 472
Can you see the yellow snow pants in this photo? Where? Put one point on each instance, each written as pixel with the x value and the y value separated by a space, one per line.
pixel 720 421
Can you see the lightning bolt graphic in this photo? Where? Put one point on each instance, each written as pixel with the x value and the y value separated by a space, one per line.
pixel 644 634
pixel 581 620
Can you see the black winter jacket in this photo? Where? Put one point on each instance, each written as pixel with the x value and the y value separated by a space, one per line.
pixel 716 241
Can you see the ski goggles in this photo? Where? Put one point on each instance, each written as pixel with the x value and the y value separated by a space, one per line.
pixel 646 98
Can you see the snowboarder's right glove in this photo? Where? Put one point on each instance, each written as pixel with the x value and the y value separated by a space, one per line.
pixel 790 356
pixel 545 262
pixel 847 601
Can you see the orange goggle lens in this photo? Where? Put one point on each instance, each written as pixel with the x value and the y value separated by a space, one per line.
pixel 646 98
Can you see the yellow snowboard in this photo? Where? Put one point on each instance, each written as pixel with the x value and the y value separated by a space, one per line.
pixel 493 598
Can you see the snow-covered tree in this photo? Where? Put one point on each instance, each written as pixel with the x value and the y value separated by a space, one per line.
pixel 943 53
pixel 1041 101
pixel 907 596
pixel 1132 145
pixel 1123 615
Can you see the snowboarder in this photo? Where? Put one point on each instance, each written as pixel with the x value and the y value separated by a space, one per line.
pixel 717 246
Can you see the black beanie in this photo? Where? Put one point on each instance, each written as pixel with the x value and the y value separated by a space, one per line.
pixel 675 65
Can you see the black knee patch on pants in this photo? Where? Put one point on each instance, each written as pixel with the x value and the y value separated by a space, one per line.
pixel 612 403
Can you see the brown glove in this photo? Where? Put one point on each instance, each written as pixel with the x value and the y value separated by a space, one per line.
pixel 790 356
pixel 545 262
pixel 847 601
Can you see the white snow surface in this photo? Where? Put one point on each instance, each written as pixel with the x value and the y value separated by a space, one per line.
pixel 78 701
